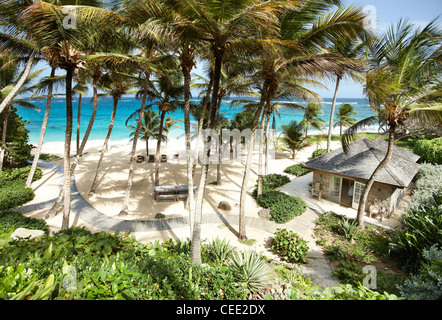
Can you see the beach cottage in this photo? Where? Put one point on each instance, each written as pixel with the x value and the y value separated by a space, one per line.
pixel 341 177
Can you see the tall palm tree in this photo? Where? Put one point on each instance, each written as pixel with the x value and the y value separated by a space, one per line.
pixel 352 48
pixel 116 84
pixel 403 82
pixel 344 117
pixel 294 136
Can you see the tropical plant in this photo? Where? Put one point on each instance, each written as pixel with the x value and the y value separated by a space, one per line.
pixel 294 136
pixel 429 150
pixel 402 82
pixel 251 269
pixel 219 251
pixel 296 170
pixel 149 127
pixel 290 246
pixel 344 117
pixel 311 117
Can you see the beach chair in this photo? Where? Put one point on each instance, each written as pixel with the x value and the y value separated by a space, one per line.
pixel 163 158
pixel 316 191
pixel 151 158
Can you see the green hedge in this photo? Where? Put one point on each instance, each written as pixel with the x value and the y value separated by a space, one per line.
pixel 14 193
pixel 429 150
pixel 318 153
pixel 282 207
pixel 19 174
pixel 11 220
pixel 296 170
pixel 271 181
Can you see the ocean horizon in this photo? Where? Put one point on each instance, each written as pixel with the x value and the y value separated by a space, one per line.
pixel 127 105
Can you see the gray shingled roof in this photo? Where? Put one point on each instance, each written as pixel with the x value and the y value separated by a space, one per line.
pixel 362 159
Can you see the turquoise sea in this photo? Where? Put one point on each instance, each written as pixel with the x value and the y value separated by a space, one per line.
pixel 127 105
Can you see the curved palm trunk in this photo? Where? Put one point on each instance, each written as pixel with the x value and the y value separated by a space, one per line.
pixel 67 152
pixel 332 113
pixel 5 127
pixel 195 248
pixel 380 167
pixel 57 203
pixel 242 202
pixel 105 145
pixel 125 208
pixel 266 146
pixel 158 152
pixel 42 132
pixel 20 82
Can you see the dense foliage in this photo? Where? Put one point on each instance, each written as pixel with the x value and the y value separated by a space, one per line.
pixel 14 193
pixel 290 246
pixel 18 149
pixel 318 152
pixel 296 170
pixel 11 220
pixel 103 266
pixel 283 207
pixel 429 150
pixel 20 173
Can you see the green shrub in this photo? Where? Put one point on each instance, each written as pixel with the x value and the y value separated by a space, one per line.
pixel 11 220
pixel 19 174
pixel 426 284
pixel 290 246
pixel 420 229
pixel 219 251
pixel 271 182
pixel 251 269
pixel 348 228
pixel 296 170
pixel 14 193
pixel 283 207
pixel 428 181
pixel 429 150
pixel 318 153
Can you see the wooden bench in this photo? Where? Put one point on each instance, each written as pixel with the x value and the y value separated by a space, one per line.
pixel 172 192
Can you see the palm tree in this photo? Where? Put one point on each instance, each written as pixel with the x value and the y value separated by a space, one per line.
pixel 351 48
pixel 311 117
pixel 149 127
pixel 403 82
pixel 344 117
pixel 294 136
pixel 116 84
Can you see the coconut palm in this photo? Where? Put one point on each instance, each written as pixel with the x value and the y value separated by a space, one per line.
pixel 344 117
pixel 352 48
pixel 294 136
pixel 116 84
pixel 311 117
pixel 403 82
pixel 149 127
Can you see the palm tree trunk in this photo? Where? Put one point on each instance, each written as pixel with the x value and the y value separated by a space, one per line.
pixel 20 82
pixel 147 147
pixel 78 123
pixel 42 132
pixel 332 113
pixel 261 149
pixel 242 202
pixel 57 203
pixel 186 67
pixel 195 248
pixel 67 151
pixel 201 123
pixel 380 167
pixel 266 146
pixel 105 145
pixel 5 127
pixel 125 208
pixel 220 141
pixel 158 152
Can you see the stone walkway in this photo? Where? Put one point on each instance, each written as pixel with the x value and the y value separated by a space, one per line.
pixel 317 268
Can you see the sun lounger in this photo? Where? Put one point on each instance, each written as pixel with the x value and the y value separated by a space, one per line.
pixel 172 192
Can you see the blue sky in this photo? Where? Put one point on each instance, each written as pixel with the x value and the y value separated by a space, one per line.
pixel 419 12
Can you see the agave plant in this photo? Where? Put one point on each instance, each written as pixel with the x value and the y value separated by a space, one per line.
pixel 251 269
pixel 348 228
pixel 220 250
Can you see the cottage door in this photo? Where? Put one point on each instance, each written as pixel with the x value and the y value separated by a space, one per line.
pixel 334 193
pixel 357 192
